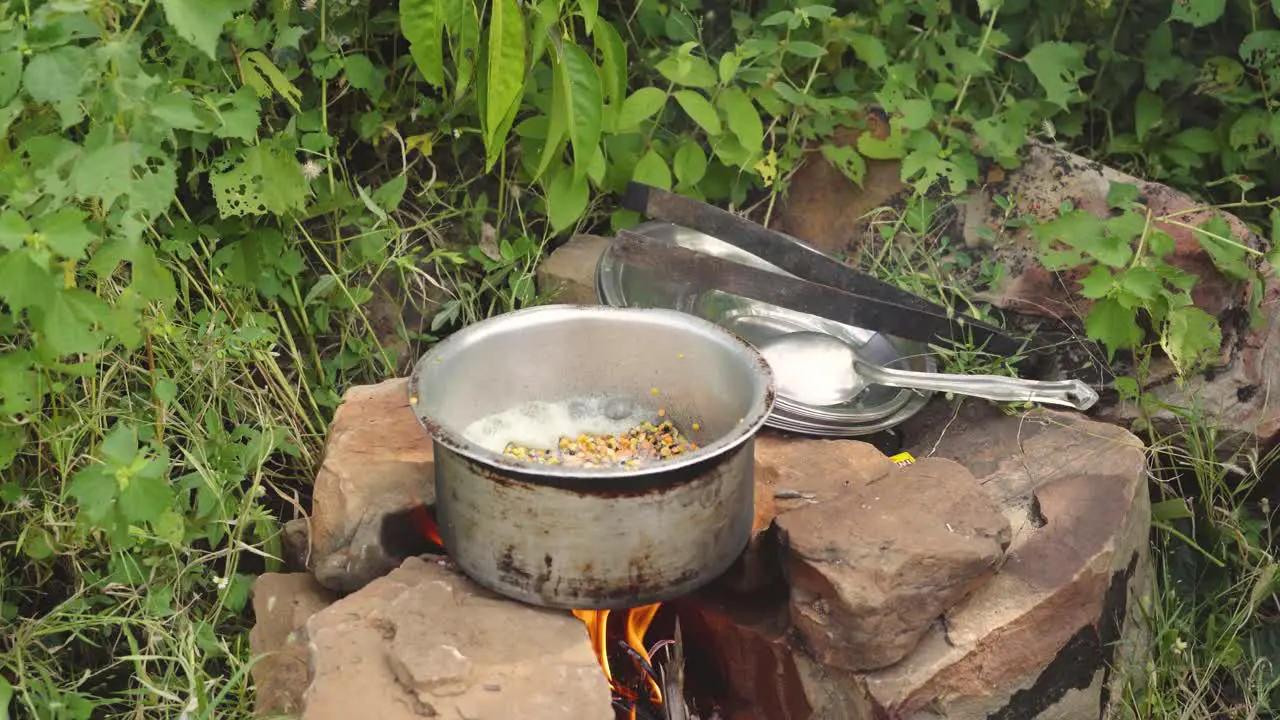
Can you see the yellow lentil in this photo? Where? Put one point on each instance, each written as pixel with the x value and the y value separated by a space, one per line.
pixel 638 446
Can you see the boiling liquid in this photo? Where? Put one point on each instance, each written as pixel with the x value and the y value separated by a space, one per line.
pixel 538 424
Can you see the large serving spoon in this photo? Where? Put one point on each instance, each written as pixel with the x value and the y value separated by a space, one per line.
pixel 817 369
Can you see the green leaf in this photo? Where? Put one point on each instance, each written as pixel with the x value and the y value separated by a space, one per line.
pixel 10 74
pixel 146 494
pixel 847 160
pixel 613 62
pixel 1147 112
pixel 567 198
pixel 25 283
pixel 1097 284
pixel 580 83
pixel 700 109
pixel 690 71
pixel 422 24
pixel 640 106
pixel 14 230
pixel 1197 139
pixel 1059 67
pixel 1114 326
pixel 652 170
pixel 95 492
pixel 986 7
pixel 505 73
pixel 805 49
pixel 589 10
pixel 71 322
pixel 57 78
pixel 1229 256
pixel 690 164
pixel 180 111
pixel 267 179
pixel 65 232
pixel 1261 49
pixel 1197 13
pixel 1122 195
pixel 869 50
pixel 743 119
pixel 1141 282
pixel 916 114
pixel 200 22
pixel 890 148
pixel 363 75
pixel 462 23
pixel 104 173
pixel 729 64
pixel 1086 233
pixel 1191 338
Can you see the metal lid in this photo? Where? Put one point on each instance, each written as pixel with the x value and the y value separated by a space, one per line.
pixel 875 409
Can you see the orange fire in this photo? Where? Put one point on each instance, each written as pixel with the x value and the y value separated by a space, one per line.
pixel 637 624
pixel 426 524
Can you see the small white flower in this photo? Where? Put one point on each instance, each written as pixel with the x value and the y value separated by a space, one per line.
pixel 24 502
pixel 457 133
pixel 311 170
pixel 1179 646
pixel 221 582
pixel 259 491
pixel 308 5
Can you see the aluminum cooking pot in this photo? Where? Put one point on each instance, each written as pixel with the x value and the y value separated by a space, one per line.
pixel 594 538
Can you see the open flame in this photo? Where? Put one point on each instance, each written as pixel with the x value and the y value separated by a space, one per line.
pixel 636 625
pixel 425 523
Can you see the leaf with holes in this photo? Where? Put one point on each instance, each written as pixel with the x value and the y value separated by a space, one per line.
pixel 266 179
pixel 1059 67
pixel 1191 338
pixel 847 160
pixel 1197 13
pixel 463 25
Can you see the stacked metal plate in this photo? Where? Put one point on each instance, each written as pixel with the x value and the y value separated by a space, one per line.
pixel 876 408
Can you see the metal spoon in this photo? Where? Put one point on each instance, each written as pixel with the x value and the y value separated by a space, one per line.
pixel 818 369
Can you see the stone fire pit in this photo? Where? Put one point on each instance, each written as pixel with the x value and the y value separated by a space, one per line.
pixel 1000 576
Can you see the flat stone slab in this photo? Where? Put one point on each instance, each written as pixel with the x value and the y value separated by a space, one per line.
pixel 424 641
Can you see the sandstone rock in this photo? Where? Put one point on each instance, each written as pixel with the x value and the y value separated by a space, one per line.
pixel 794 472
pixel 871 569
pixel 282 603
pixel 569 273
pixel 1042 638
pixel 1039 639
pixel 377 467
pixel 827 210
pixel 424 641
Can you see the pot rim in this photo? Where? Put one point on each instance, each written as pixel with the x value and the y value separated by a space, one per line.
pixel 452 439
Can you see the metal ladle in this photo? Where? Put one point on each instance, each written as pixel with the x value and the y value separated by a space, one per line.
pixel 818 369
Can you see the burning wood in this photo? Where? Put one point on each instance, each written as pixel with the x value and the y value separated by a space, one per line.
pixel 658 691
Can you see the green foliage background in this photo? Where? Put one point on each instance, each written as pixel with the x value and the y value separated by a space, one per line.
pixel 204 205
